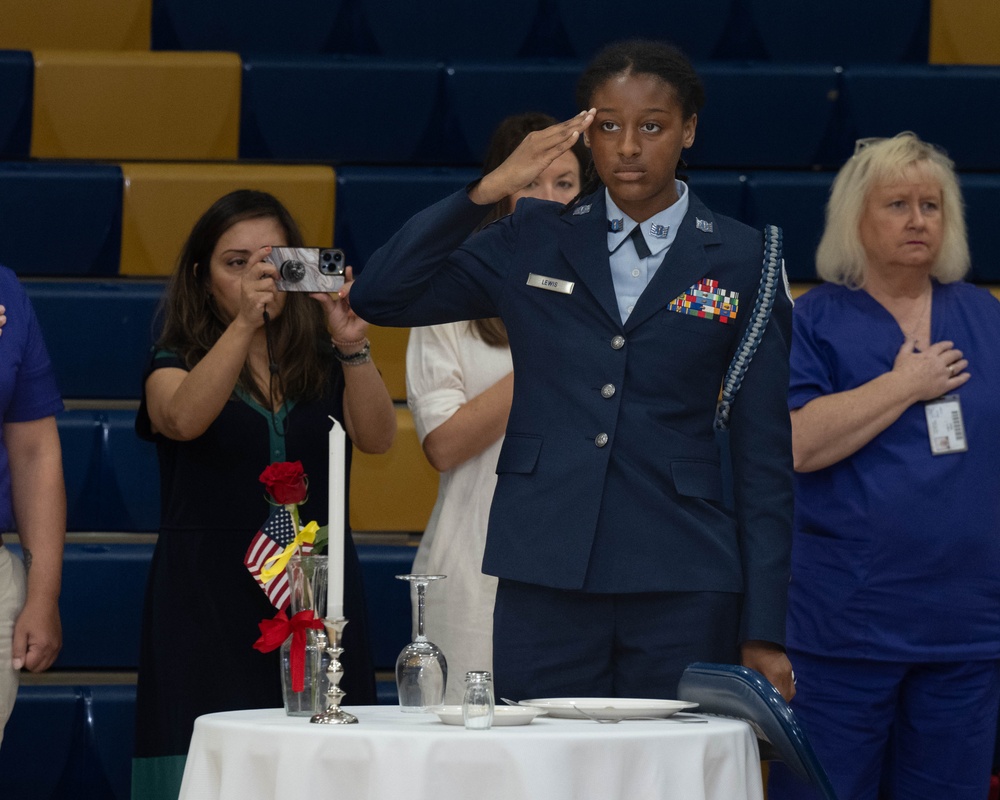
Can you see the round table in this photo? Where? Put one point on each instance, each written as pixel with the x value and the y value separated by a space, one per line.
pixel 258 754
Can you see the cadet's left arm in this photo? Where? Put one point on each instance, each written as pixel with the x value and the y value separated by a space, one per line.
pixel 760 441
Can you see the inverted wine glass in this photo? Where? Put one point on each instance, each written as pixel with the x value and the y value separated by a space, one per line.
pixel 421 669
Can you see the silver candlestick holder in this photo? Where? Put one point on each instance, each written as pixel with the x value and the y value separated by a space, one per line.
pixel 334 714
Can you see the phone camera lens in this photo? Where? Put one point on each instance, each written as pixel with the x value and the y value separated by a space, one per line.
pixel 329 262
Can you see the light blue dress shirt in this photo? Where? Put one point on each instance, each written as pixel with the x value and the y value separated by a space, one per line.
pixel 630 273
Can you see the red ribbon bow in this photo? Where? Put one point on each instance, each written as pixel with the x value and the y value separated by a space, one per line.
pixel 274 632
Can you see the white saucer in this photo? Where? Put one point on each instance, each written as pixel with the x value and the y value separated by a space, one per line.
pixel 502 715
pixel 607 707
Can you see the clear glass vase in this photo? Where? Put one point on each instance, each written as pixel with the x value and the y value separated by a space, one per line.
pixel 307 579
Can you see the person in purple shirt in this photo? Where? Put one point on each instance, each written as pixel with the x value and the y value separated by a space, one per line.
pixel 894 602
pixel 32 496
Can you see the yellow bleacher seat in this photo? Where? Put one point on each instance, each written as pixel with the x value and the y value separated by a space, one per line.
pixel 966 32
pixel 395 491
pixel 75 25
pixel 135 105
pixel 389 354
pixel 163 201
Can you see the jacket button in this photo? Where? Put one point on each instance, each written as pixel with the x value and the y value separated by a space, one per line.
pixel 618 342
pixel 608 390
pixel 601 439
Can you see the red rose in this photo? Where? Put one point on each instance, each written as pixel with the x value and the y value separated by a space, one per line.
pixel 286 482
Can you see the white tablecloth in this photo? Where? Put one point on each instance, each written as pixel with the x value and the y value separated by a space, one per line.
pixel 253 755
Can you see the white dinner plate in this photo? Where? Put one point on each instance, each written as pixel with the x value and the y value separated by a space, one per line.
pixel 608 707
pixel 502 715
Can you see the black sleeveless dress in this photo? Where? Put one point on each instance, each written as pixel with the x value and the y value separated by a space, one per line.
pixel 202 606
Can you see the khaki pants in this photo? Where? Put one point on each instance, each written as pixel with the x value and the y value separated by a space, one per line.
pixel 12 591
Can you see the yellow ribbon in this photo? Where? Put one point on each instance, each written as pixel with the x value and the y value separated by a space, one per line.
pixel 275 565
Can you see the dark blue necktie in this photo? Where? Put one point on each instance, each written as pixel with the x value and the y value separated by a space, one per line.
pixel 641 248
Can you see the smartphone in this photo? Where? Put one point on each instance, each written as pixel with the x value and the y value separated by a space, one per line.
pixel 308 269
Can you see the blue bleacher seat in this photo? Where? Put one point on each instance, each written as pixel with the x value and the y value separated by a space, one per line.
pixel 112 477
pixel 481 93
pixel 387 599
pixel 957 108
pixel 103 586
pixel 246 26
pixel 67 742
pixel 697 28
pixel 721 190
pixel 767 116
pixel 845 33
pixel 340 108
pixel 448 29
pixel 100 627
pixel 16 71
pixel 62 220
pixel 101 604
pixel 80 436
pixel 130 496
pixel 982 201
pixel 104 358
pixel 795 201
pixel 372 203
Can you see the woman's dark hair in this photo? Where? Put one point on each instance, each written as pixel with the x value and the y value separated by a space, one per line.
pixel 193 323
pixel 640 57
pixel 507 136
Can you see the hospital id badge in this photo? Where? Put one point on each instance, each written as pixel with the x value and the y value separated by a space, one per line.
pixel 944 425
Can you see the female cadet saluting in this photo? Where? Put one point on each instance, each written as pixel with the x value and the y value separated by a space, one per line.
pixel 618 561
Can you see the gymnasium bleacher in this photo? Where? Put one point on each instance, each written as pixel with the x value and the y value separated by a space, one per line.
pixel 121 121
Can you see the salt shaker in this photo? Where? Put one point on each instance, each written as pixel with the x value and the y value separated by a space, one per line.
pixel 477 707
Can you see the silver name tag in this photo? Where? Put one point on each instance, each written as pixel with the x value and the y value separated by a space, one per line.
pixel 552 284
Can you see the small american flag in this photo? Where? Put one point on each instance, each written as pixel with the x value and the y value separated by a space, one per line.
pixel 273 537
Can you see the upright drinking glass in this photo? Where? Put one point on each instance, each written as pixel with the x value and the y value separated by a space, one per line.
pixel 421 669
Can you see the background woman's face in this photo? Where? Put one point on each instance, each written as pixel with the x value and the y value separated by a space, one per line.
pixel 902 224
pixel 559 182
pixel 230 257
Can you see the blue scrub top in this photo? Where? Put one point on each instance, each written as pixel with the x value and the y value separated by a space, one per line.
pixel 896 552
pixel 27 383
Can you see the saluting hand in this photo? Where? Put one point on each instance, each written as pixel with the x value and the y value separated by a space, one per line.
pixel 531 158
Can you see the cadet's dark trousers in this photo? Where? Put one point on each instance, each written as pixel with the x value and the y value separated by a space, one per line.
pixel 557 643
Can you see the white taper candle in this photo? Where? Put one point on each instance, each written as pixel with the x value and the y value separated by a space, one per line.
pixel 335 535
